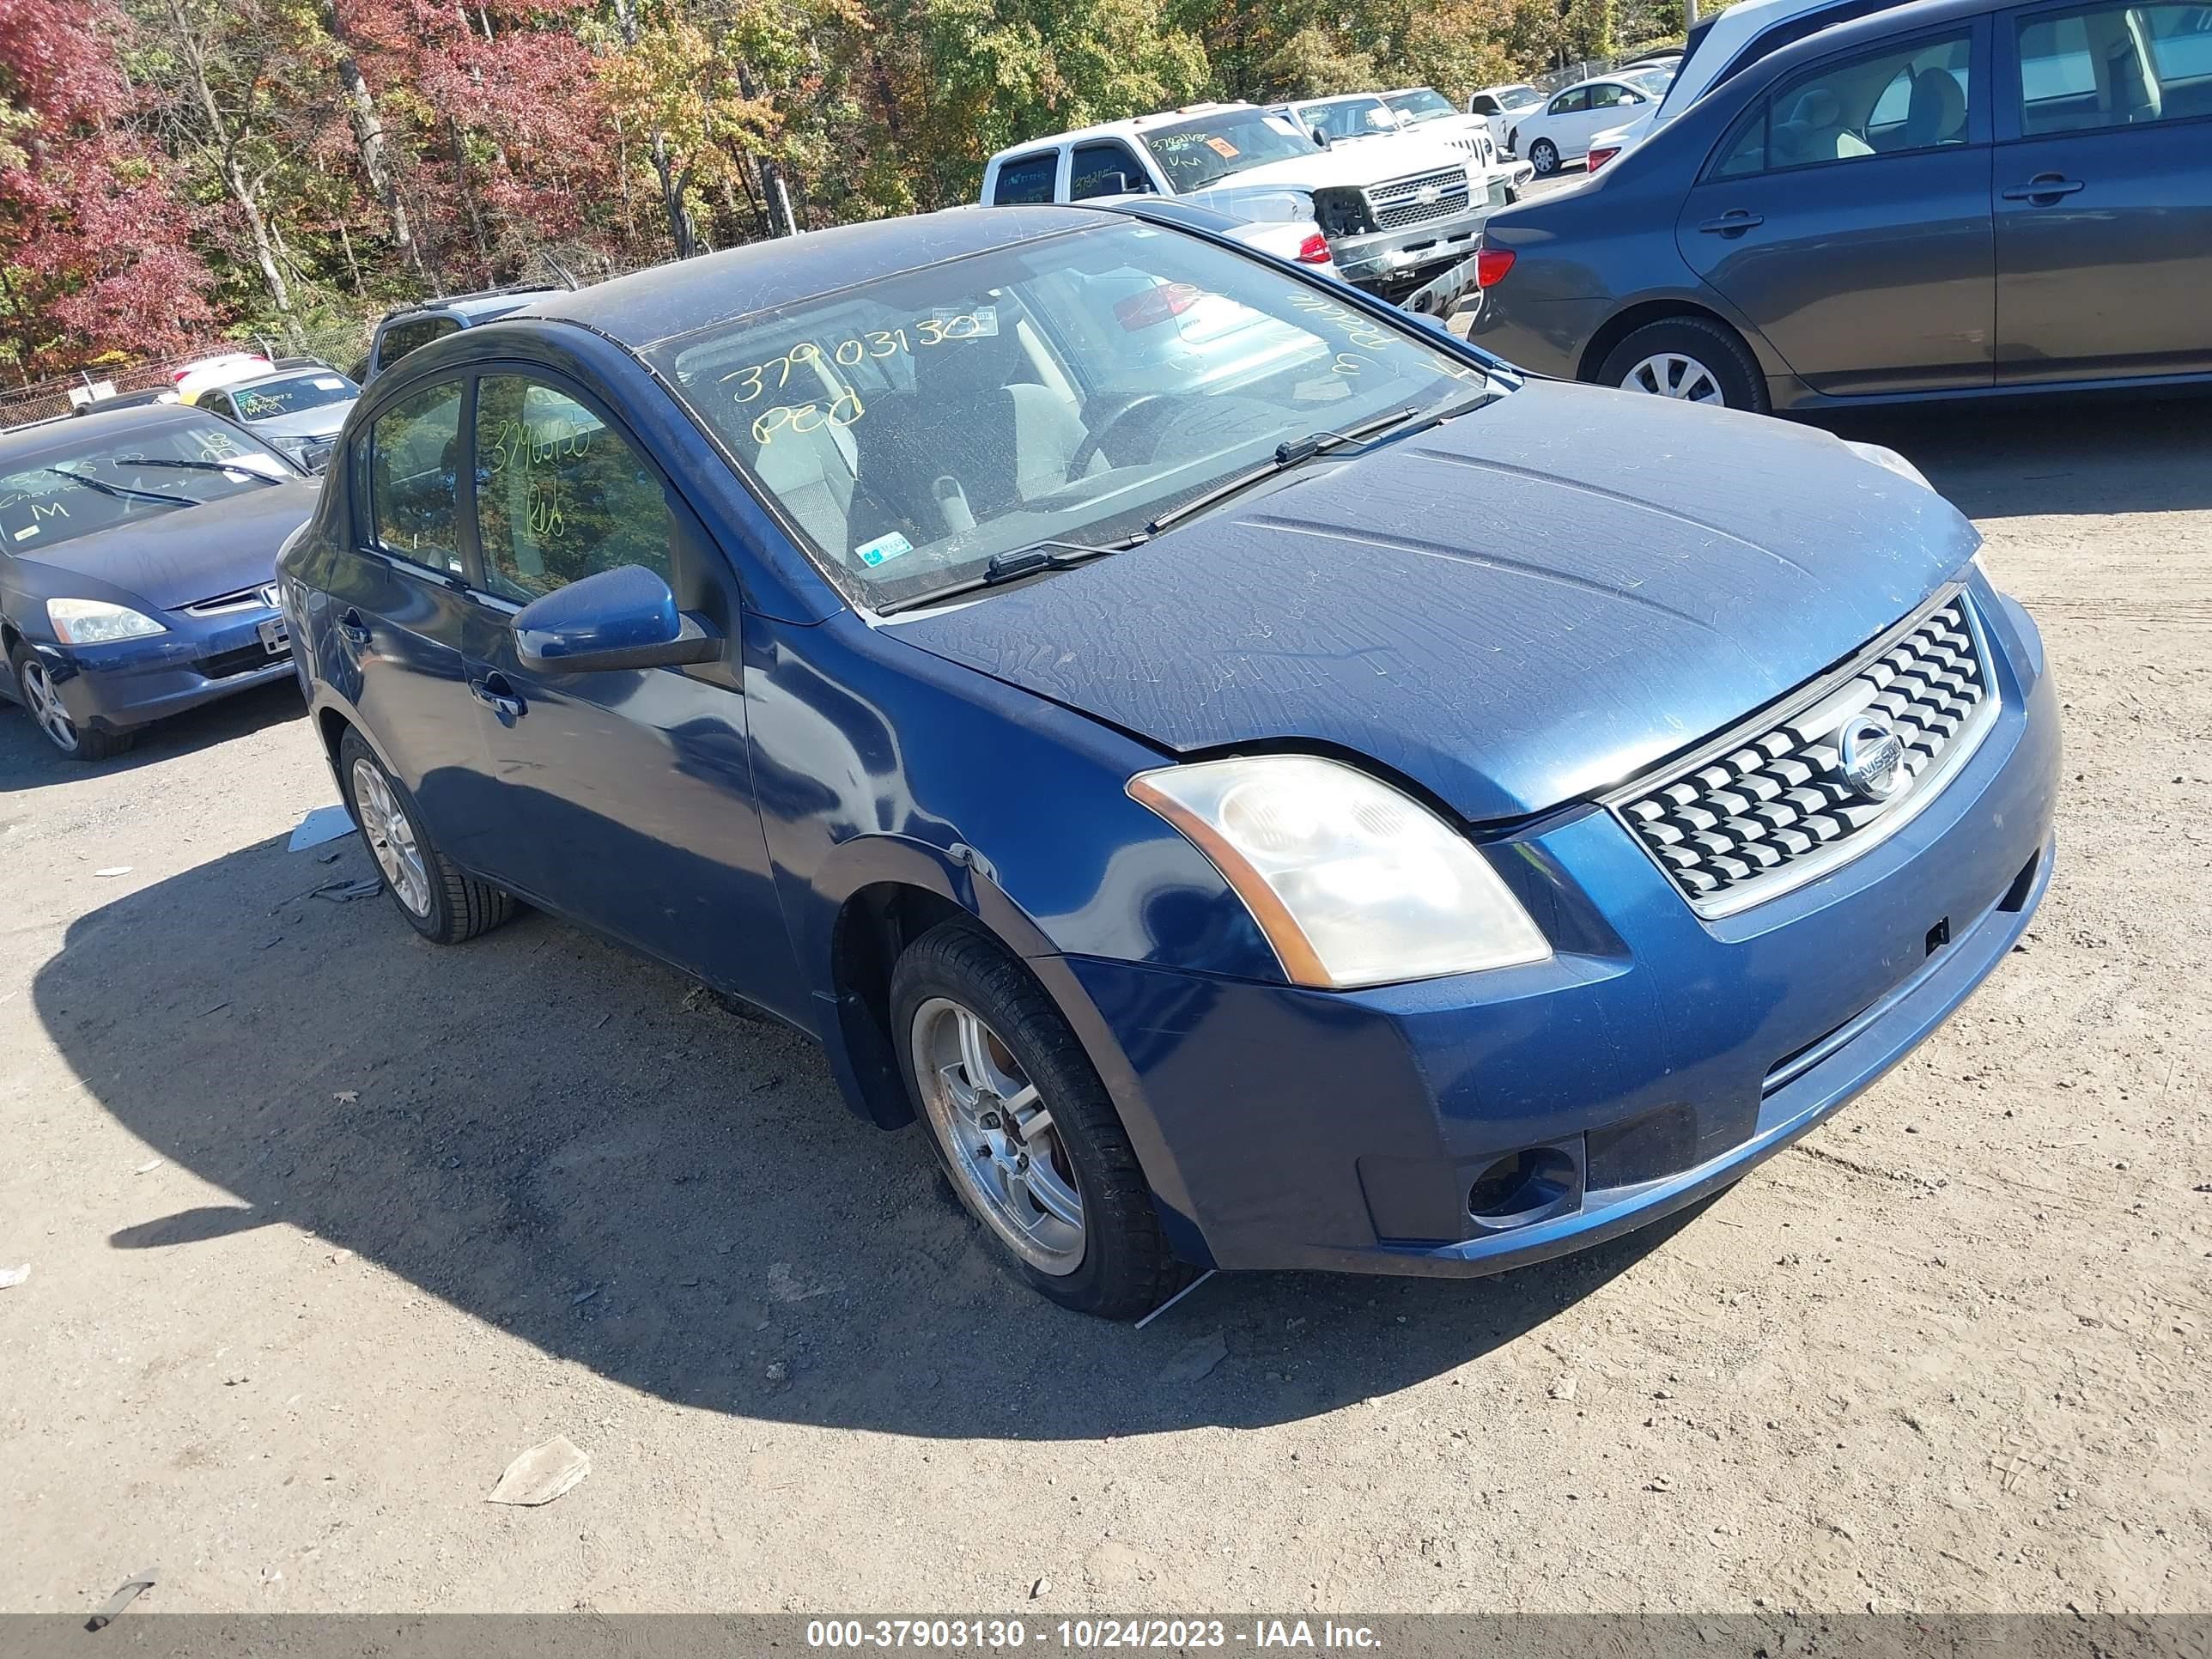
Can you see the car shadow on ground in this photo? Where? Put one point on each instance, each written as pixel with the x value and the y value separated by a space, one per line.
pixel 571 1144
pixel 2091 454
pixel 28 761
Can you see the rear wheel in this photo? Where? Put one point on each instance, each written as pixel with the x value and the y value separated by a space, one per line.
pixel 36 690
pixel 1025 1128
pixel 1544 156
pixel 440 901
pixel 1693 358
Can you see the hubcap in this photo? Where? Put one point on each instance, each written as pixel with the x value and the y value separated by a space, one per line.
pixel 1006 1150
pixel 1670 374
pixel 390 837
pixel 1544 157
pixel 44 703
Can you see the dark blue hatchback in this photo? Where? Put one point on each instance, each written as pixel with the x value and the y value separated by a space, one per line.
pixel 1264 784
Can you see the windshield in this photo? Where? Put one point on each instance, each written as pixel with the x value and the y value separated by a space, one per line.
pixel 1423 104
pixel 1071 388
pixel 1517 97
pixel 126 476
pixel 1350 118
pixel 271 399
pixel 1196 153
pixel 1653 80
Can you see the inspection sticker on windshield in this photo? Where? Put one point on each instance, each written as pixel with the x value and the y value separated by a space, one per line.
pixel 26 532
pixel 977 323
pixel 882 548
pixel 1221 148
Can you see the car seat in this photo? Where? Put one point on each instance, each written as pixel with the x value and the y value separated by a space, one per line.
pixel 1937 112
pixel 1816 131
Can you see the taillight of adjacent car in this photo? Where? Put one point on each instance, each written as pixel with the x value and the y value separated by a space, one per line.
pixel 1155 305
pixel 1313 250
pixel 1600 155
pixel 1491 264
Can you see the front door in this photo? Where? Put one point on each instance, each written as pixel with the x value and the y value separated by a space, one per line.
pixel 397 613
pixel 1847 215
pixel 2103 187
pixel 627 794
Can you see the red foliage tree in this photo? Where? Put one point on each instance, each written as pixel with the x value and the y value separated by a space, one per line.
pixel 94 250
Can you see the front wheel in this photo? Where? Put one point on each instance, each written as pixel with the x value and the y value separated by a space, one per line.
pixel 42 698
pixel 1025 1128
pixel 441 902
pixel 1544 156
pixel 1693 358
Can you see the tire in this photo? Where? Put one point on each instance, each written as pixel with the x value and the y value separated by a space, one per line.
pixel 440 901
pixel 1113 1262
pixel 34 690
pixel 1708 353
pixel 1544 156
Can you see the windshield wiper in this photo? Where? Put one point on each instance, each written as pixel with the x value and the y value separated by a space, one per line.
pixel 120 492
pixel 227 468
pixel 1012 566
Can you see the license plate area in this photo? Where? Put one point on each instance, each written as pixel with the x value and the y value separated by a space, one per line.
pixel 274 638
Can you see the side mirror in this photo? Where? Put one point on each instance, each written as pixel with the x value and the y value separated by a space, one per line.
pixel 1117 183
pixel 1319 136
pixel 620 618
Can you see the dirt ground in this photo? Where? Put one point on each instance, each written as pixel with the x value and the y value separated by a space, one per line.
pixel 325 1225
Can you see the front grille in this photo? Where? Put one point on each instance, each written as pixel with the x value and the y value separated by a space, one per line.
pixel 263 598
pixel 1768 807
pixel 1399 203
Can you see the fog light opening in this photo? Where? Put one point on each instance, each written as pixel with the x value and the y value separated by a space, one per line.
pixel 1521 1185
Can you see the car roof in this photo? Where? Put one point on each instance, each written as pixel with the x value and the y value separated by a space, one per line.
pixel 682 295
pixel 1335 98
pixel 1872 27
pixel 1127 127
pixel 494 302
pixel 297 372
pixel 68 432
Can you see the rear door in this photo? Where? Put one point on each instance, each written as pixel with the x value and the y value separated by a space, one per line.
pixel 397 613
pixel 2103 187
pixel 625 796
pixel 1847 216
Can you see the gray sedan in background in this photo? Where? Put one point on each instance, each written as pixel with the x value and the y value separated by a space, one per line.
pixel 299 408
pixel 1944 200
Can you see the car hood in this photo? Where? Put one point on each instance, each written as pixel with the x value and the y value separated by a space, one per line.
pixel 181 557
pixel 1356 161
pixel 321 421
pixel 1527 606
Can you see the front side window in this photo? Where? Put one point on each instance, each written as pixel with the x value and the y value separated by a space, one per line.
pixel 2113 66
pixel 1025 179
pixel 1899 100
pixel 559 495
pixel 414 461
pixel 126 478
pixel 1105 170
pixel 1073 387
pixel 1207 149
pixel 1612 96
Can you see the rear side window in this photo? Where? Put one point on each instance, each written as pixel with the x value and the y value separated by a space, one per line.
pixel 1103 170
pixel 559 495
pixel 1568 102
pixel 414 460
pixel 1026 179
pixel 400 339
pixel 2085 68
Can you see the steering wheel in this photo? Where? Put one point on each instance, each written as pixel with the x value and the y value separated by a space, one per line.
pixel 1116 413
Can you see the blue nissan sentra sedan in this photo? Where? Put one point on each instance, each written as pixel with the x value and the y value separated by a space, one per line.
pixel 137 569
pixel 1266 784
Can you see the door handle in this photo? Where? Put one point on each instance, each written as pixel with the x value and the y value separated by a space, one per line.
pixel 494 692
pixel 1733 222
pixel 352 627
pixel 2043 189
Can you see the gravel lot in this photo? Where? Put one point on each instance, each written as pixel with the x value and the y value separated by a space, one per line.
pixel 326 1224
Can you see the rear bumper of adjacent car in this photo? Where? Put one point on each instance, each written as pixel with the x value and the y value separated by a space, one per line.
pixel 114 688
pixel 1655 1059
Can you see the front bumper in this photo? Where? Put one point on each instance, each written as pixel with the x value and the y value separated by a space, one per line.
pixel 1655 1059
pixel 114 688
pixel 1392 263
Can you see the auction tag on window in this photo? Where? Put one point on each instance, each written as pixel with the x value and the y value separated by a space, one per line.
pixel 329 383
pixel 1221 148
pixel 978 323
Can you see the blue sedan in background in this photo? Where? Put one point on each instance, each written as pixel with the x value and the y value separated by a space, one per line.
pixel 137 569
pixel 1266 784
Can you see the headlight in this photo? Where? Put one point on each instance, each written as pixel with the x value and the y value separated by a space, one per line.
pixel 95 621
pixel 1352 882
pixel 1889 460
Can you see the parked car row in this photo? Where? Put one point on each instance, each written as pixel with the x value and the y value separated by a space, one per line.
pixel 1396 195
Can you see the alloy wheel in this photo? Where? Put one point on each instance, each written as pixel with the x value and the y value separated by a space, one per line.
pixel 44 703
pixel 999 1136
pixel 1545 157
pixel 391 836
pixel 1671 374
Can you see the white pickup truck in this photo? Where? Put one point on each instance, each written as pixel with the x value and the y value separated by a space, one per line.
pixel 1400 217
